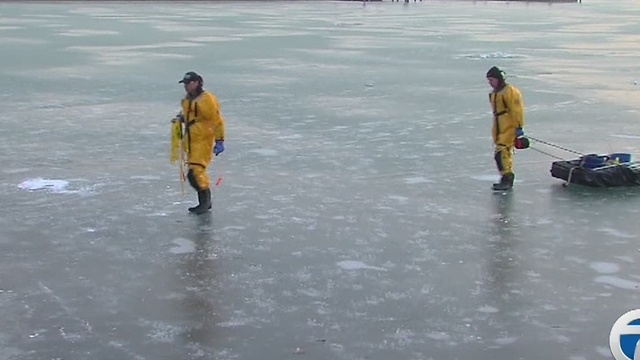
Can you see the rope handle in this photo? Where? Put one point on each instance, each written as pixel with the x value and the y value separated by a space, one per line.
pixel 556 146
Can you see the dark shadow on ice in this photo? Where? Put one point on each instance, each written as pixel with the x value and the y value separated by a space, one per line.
pixel 197 272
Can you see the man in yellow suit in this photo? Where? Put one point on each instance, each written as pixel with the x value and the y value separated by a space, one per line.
pixel 508 121
pixel 204 133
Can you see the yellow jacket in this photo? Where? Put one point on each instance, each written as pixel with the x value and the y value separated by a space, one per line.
pixel 508 114
pixel 203 125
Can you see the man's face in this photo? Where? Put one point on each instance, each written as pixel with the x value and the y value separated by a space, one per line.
pixel 191 86
pixel 493 82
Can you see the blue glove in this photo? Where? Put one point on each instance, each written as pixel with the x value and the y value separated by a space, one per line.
pixel 218 147
pixel 519 132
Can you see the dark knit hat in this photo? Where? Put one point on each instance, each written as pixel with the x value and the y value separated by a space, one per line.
pixel 495 73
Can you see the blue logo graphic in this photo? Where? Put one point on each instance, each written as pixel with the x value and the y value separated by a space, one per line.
pixel 624 339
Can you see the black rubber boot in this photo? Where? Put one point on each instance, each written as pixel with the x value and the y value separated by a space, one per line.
pixel 204 202
pixel 506 182
pixel 192 209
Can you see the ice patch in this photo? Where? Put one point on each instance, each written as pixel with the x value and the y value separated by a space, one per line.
pixel 183 246
pixel 605 268
pixel 493 55
pixel 488 309
pixel 95 49
pixel 21 40
pixel 290 137
pixel 310 292
pixel 87 32
pixel 625 136
pixel 51 26
pixel 506 340
pixel 618 282
pixel 562 339
pixel 212 38
pixel 164 333
pixel 134 54
pixel 348 24
pixel 576 259
pixel 158 214
pixel 56 186
pixel 398 198
pixel 438 335
pixel 417 180
pixel 485 177
pixel 15 171
pixel 616 233
pixel 403 336
pixel 357 265
pixel 144 177
pixel 240 321
pixel 265 152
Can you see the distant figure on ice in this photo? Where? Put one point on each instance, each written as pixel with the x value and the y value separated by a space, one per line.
pixel 508 123
pixel 203 124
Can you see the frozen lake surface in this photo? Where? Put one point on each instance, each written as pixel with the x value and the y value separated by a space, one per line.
pixel 355 218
